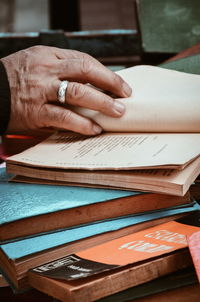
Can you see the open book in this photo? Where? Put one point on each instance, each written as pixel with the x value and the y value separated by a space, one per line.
pixel 155 146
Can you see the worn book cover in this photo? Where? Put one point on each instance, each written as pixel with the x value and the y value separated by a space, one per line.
pixel 99 271
pixel 17 257
pixel 29 209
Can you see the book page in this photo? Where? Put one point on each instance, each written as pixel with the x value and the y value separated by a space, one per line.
pixel 169 181
pixel 162 101
pixel 112 151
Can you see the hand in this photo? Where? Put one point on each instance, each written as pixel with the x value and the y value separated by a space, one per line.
pixel 35 75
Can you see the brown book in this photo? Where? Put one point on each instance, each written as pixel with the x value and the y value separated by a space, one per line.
pixel 16 268
pixel 3 282
pixel 108 283
pixel 155 146
pixel 118 264
pixel 182 294
pixel 164 181
pixel 38 209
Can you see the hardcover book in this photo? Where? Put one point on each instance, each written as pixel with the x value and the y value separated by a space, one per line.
pixel 29 209
pixel 17 257
pixel 101 270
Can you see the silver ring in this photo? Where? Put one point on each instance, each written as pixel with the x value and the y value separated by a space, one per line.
pixel 62 91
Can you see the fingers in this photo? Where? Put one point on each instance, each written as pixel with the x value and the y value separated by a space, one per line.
pixel 86 69
pixel 82 95
pixel 61 118
pixel 85 96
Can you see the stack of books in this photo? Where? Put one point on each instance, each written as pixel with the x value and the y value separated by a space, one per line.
pixel 116 265
pixel 40 223
pixel 70 192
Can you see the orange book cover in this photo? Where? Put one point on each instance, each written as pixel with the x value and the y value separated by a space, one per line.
pixel 130 249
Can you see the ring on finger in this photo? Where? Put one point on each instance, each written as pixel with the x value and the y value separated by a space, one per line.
pixel 62 92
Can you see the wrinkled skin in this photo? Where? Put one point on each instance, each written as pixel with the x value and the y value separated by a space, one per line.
pixel 34 76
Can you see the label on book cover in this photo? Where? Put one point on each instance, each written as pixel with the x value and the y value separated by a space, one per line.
pixel 140 246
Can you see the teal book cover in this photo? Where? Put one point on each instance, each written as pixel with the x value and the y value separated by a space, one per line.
pixel 28 246
pixel 19 201
pixel 32 209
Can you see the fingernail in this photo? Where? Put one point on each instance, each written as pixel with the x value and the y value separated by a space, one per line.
pixel 119 107
pixel 127 89
pixel 97 129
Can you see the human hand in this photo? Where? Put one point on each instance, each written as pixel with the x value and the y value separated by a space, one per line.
pixel 35 75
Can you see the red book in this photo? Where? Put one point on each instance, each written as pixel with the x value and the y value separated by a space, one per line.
pixel 194 247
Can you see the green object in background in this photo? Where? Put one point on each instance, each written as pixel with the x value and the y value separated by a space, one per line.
pixel 189 64
pixel 168 26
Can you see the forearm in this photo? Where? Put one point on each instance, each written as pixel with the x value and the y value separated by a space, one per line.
pixel 4 99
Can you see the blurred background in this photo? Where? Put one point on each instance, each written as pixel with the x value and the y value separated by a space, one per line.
pixel 22 21
pixel 70 15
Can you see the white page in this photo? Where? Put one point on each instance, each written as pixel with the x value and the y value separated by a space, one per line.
pixel 112 151
pixel 162 101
